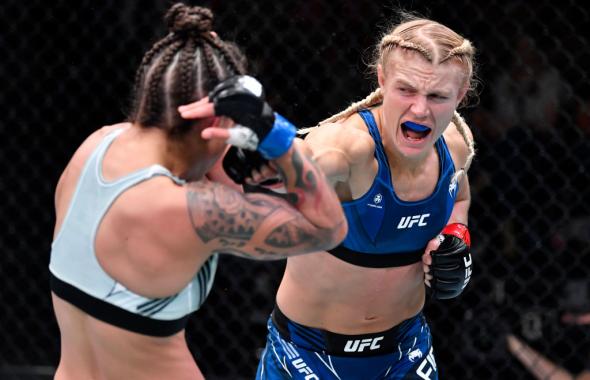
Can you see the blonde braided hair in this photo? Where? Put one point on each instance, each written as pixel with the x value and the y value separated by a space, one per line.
pixel 462 127
pixel 438 44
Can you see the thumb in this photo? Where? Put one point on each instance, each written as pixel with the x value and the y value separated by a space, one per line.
pixel 213 133
pixel 432 245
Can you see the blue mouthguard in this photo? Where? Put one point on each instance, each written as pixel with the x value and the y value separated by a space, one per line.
pixel 416 127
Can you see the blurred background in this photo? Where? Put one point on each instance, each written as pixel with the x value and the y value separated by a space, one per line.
pixel 66 69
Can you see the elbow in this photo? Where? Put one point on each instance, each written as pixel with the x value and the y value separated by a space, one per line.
pixel 337 235
pixel 341 232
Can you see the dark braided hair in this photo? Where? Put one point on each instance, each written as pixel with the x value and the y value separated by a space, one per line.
pixel 181 68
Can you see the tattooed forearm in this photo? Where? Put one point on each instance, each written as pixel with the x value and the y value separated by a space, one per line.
pixel 218 212
pixel 298 165
pixel 255 225
pixel 290 236
pixel 226 243
pixel 304 179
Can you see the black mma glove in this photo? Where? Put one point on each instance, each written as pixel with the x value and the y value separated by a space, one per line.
pixel 239 163
pixel 451 262
pixel 258 127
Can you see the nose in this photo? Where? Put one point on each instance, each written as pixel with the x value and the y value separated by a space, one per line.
pixel 420 107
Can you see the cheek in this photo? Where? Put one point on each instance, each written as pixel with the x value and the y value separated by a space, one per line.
pixel 442 121
pixel 394 105
pixel 444 111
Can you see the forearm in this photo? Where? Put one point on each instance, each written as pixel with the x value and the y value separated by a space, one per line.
pixel 537 364
pixel 544 369
pixel 251 225
pixel 460 213
pixel 448 262
pixel 309 190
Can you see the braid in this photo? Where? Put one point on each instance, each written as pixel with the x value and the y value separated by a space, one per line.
pixel 144 66
pixel 389 41
pixel 153 102
pixel 230 58
pixel 226 53
pixel 182 86
pixel 209 64
pixel 157 48
pixel 372 99
pixel 462 127
pixel 181 68
pixel 464 49
pixel 185 71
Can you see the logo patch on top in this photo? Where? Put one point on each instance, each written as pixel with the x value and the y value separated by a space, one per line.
pixel 359 345
pixel 453 186
pixel 416 354
pixel 411 220
pixel 377 199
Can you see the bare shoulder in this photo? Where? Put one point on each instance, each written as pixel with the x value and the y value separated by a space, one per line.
pixel 90 143
pixel 100 133
pixel 456 141
pixel 349 136
pixel 78 159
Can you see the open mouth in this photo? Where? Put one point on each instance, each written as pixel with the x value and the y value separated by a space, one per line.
pixel 414 131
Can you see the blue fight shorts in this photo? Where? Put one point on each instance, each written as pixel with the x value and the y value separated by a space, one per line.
pixel 294 351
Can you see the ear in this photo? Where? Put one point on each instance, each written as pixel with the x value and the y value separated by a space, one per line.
pixel 380 75
pixel 461 94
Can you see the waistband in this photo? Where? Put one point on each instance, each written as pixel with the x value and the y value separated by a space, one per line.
pixel 331 343
pixel 381 260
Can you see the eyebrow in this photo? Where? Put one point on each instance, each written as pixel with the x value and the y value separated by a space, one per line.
pixel 439 92
pixel 403 82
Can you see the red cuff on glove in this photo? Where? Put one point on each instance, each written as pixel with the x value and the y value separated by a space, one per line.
pixel 459 230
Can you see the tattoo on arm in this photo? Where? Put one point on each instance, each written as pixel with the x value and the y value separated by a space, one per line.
pixel 231 219
pixel 305 172
pixel 286 236
pixel 219 212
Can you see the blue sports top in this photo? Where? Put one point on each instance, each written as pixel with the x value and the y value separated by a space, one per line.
pixel 77 277
pixel 385 231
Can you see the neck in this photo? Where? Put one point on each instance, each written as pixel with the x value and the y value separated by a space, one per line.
pixel 185 157
pixel 400 163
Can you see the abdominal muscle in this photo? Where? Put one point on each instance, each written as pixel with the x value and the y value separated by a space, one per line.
pixel 319 290
pixel 94 350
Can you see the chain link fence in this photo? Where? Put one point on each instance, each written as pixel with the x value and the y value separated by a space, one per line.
pixel 66 68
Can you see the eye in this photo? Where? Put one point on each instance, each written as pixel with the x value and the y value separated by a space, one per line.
pixel 438 97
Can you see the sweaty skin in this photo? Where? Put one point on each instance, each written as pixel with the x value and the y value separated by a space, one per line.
pixel 134 245
pixel 348 299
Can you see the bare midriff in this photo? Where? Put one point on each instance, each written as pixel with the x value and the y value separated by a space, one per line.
pixel 321 291
pixel 94 350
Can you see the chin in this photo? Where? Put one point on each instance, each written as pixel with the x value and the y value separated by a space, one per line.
pixel 412 152
pixel 413 149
